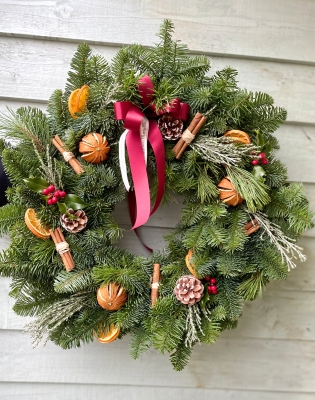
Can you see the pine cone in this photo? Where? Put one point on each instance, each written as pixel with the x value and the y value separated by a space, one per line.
pixel 188 289
pixel 74 225
pixel 170 127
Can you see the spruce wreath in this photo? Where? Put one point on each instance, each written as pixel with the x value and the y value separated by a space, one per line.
pixel 238 226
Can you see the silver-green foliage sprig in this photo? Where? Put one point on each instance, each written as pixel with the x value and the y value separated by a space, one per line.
pixel 285 245
pixel 221 150
pixel 54 315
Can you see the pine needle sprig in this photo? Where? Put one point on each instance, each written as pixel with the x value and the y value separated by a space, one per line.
pixel 285 245
pixel 252 190
pixel 180 357
pixel 78 75
pixel 141 340
pixel 252 287
pixel 76 281
pixel 27 124
pixel 58 113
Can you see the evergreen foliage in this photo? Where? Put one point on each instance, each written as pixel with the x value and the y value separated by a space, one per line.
pixel 64 303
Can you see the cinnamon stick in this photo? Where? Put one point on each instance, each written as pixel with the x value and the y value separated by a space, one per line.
pixel 68 156
pixel 68 257
pixel 155 283
pixel 189 134
pixel 251 227
pixel 63 248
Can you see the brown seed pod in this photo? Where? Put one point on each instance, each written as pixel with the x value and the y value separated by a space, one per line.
pixel 228 193
pixel 111 297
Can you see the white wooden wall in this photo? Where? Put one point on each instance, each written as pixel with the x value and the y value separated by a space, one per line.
pixel 271 355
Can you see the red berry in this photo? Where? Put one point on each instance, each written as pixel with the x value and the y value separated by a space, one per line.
pixel 213 281
pixel 210 289
pixel 264 161
pixel 45 191
pixel 207 278
pixel 262 155
pixel 54 200
pixel 50 202
pixel 255 162
pixel 57 193
pixel 51 188
pixel 215 291
pixel 62 193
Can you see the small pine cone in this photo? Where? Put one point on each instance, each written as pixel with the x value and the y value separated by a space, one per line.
pixel 171 128
pixel 188 289
pixel 74 225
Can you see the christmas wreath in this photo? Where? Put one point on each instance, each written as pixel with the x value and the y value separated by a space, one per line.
pixel 69 168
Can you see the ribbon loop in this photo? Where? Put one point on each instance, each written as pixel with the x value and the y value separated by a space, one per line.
pixel 140 127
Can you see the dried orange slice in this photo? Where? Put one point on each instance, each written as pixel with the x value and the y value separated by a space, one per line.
pixel 77 100
pixel 238 136
pixel 34 225
pixel 109 336
pixel 72 103
pixel 189 264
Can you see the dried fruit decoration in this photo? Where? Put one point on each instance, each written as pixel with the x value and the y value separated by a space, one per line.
pixel 94 147
pixel 34 224
pixel 238 136
pixel 77 100
pixel 111 297
pixel 228 193
pixel 108 336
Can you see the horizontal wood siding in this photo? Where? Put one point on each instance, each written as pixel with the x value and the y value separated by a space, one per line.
pixel 271 44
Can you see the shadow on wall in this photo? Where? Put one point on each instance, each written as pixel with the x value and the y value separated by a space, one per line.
pixel 4 184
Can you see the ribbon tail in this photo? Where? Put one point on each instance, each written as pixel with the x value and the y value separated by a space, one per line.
pixel 122 160
pixel 157 144
pixel 139 177
pixel 132 213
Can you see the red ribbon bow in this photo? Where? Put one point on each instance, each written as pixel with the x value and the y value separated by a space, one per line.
pixel 134 117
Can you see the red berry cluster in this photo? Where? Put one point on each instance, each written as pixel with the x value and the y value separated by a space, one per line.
pixel 262 159
pixel 53 194
pixel 212 289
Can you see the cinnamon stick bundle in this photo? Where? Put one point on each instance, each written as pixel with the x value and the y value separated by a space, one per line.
pixel 67 155
pixel 155 283
pixel 63 248
pixel 189 134
pixel 251 227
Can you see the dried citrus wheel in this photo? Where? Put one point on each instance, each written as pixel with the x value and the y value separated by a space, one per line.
pixel 34 225
pixel 77 100
pixel 109 336
pixel 238 136
pixel 189 264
